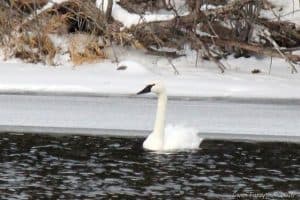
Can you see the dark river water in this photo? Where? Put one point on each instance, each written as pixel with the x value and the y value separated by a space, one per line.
pixel 81 167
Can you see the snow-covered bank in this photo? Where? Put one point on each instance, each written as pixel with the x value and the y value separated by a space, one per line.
pixel 201 81
pixel 194 80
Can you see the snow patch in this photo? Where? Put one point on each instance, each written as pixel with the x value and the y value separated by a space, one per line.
pixel 286 10
pixel 129 19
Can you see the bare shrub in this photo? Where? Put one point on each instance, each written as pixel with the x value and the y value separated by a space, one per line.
pixel 234 28
pixel 34 48
pixel 27 6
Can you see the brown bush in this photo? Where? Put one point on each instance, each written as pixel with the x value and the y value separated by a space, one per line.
pixel 34 48
pixel 27 6
pixel 85 48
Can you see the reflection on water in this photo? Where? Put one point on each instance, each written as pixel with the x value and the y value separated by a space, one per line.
pixel 77 167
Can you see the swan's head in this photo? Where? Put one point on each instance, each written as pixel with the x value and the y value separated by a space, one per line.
pixel 156 87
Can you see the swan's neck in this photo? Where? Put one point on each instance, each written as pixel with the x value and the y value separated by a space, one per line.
pixel 159 125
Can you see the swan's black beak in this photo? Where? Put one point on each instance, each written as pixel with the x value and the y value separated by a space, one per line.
pixel 147 89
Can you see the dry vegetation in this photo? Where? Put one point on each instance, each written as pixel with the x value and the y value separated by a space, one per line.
pixel 85 48
pixel 236 28
pixel 27 35
pixel 34 48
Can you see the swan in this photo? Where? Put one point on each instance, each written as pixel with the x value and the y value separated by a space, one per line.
pixel 185 138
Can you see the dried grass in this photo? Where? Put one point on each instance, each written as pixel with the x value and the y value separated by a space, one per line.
pixel 56 24
pixel 85 48
pixel 28 39
pixel 79 16
pixel 27 6
pixel 8 20
pixel 34 48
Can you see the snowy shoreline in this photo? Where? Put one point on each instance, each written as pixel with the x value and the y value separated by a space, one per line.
pixel 103 79
pixel 196 80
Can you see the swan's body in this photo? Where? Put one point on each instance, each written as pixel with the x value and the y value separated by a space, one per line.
pixel 158 140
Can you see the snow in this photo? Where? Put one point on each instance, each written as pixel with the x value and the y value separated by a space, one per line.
pixel 74 88
pixel 209 7
pixel 129 19
pixel 286 10
pixel 122 116
pixel 203 80
pixel 133 67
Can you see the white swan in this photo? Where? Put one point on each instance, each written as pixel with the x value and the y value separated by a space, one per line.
pixel 185 138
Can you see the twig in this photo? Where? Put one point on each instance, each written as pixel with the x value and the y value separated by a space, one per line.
pixel 176 72
pixel 289 13
pixel 207 52
pixel 109 10
pixel 114 52
pixel 291 49
pixel 197 57
pixel 270 66
pixel 228 8
pixel 260 50
pixel 267 35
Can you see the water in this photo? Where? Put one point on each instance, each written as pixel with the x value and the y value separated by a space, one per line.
pixel 78 167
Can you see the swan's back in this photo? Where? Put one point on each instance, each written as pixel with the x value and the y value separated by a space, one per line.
pixel 181 137
pixel 174 138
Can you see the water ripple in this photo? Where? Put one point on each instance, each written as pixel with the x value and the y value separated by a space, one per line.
pixel 45 167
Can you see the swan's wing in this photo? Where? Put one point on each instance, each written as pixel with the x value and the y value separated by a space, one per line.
pixel 181 137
